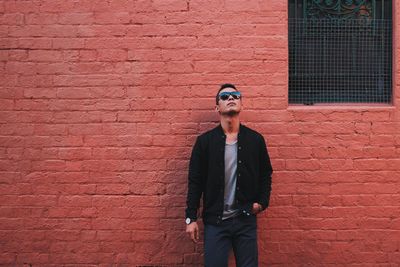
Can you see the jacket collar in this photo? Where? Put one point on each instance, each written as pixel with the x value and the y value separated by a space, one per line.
pixel 242 130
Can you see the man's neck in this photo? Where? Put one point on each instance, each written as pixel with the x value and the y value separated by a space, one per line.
pixel 230 124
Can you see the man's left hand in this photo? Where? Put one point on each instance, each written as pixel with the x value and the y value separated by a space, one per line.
pixel 257 208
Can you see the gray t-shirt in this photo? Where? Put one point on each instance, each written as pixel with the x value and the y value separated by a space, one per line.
pixel 230 180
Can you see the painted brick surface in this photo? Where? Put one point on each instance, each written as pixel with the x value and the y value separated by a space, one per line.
pixel 101 101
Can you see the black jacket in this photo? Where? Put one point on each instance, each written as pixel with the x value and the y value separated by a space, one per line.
pixel 206 174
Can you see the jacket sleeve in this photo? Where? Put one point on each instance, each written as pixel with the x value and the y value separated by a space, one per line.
pixel 195 187
pixel 265 178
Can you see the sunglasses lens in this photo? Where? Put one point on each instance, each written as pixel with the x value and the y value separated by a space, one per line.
pixel 225 96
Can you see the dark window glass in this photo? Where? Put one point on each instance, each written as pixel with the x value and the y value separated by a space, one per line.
pixel 340 51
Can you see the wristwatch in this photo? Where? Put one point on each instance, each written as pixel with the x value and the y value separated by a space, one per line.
pixel 260 207
pixel 189 221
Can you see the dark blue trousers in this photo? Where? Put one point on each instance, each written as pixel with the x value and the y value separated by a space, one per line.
pixel 239 233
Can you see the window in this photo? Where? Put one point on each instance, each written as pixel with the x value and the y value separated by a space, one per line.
pixel 340 51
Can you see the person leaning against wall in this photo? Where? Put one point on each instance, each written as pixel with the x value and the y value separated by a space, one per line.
pixel 230 167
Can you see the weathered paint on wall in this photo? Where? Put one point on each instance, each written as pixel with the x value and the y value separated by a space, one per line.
pixel 100 103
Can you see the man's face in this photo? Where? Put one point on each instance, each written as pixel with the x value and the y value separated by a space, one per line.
pixel 231 106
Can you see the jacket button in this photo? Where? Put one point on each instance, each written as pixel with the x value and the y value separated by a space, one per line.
pixel 239 174
pixel 240 161
pixel 238 188
pixel 240 147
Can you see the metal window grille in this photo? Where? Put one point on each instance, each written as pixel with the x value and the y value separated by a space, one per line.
pixel 340 51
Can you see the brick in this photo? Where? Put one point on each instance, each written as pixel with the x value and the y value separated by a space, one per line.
pixel 141 165
pixel 144 235
pixel 41 18
pixel 274 5
pixel 24 7
pixel 55 6
pixel 12 19
pixel 44 55
pixel 326 200
pixel 148 153
pixel 170 5
pixel 112 189
pixel 7 258
pixel 75 153
pixel 30 43
pixel 115 212
pixel 40 141
pixel 26 31
pixel 148 189
pixel 112 55
pixel 101 141
pixel 68 43
pixel 33 258
pixel 373 164
pixel 4 34
pixel 6 104
pixel 144 54
pixel 87 55
pixel 112 104
pixel 87 80
pixel 108 165
pixel 335 164
pixel 89 67
pixel 109 153
pixel 52 68
pixel 21 68
pixel 107 224
pixel 111 17
pixel 35 81
pixel 241 5
pixel 4 55
pixel 381 152
pixel 295 164
pixel 49 165
pixel 104 43
pixel 112 235
pixel 75 18
pixel 295 152
pixel 73 93
pixel 102 31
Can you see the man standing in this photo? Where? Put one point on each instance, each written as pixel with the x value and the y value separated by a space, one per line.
pixel 231 169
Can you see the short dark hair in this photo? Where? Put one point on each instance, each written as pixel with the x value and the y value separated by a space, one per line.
pixel 223 86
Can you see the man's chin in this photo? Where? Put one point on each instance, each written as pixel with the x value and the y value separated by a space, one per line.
pixel 230 113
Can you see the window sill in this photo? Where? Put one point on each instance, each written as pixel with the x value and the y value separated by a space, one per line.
pixel 342 106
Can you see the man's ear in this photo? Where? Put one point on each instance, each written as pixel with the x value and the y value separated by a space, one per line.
pixel 216 108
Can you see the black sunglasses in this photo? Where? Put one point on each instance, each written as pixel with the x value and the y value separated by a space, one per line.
pixel 225 95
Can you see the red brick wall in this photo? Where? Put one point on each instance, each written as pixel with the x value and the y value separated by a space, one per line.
pixel 100 103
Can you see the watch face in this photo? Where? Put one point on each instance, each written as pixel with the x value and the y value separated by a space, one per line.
pixel 188 221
